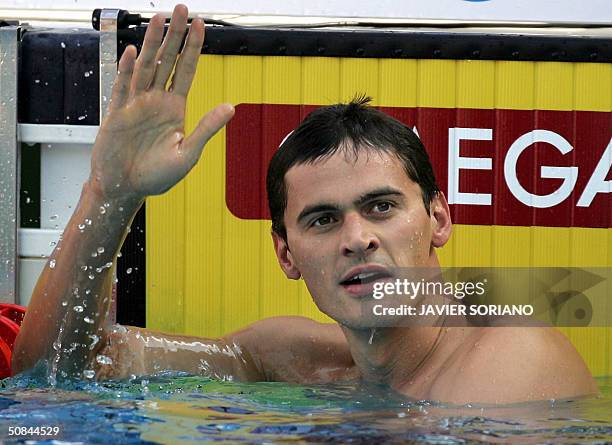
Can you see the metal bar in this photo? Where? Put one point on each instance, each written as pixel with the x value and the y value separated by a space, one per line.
pixel 57 134
pixel 108 73
pixel 37 243
pixel 9 165
pixel 108 56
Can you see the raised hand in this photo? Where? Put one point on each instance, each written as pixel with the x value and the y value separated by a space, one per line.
pixel 141 148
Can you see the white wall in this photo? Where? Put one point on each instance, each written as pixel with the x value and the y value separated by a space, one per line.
pixel 553 11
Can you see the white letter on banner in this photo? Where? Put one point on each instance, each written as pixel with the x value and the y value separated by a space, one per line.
pixel 598 183
pixel 568 174
pixel 456 163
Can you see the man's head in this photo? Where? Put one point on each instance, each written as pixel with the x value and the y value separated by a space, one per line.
pixel 352 191
pixel 354 126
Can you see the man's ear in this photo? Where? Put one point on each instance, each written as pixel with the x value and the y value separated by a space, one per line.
pixel 441 225
pixel 285 258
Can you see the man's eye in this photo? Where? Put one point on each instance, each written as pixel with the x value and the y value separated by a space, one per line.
pixel 382 207
pixel 322 221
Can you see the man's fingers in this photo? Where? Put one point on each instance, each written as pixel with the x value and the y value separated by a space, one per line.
pixel 145 64
pixel 166 56
pixel 212 122
pixel 187 63
pixel 121 88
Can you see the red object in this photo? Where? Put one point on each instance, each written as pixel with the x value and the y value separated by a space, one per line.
pixel 11 316
pixel 255 132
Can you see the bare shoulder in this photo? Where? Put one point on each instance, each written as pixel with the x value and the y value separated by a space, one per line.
pixel 290 327
pixel 296 348
pixel 517 364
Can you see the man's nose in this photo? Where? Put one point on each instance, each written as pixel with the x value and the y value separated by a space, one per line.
pixel 357 236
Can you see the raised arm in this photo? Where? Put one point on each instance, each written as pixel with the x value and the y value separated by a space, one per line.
pixel 141 149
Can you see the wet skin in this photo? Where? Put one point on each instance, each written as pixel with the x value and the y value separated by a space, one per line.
pixel 350 214
pixel 345 215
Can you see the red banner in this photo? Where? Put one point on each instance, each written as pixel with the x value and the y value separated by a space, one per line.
pixel 496 167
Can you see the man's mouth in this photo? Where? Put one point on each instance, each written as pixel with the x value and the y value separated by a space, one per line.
pixel 365 278
pixel 361 283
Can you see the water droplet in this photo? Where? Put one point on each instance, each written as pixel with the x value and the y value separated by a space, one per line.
pixel 129 270
pixel 104 360
pixel 37 81
pixel 63 45
pixel 52 217
pixel 83 268
pixel 88 320
pixel 94 254
pixel 86 73
pixel 28 200
pixel 87 291
pixel 94 341
pixel 78 308
pixel 372 336
pixel 91 276
pixel 88 221
pixel 64 303
pixel 52 264
pixel 100 249
pixel 89 374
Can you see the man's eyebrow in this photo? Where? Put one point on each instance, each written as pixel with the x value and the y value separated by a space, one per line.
pixel 385 191
pixel 330 207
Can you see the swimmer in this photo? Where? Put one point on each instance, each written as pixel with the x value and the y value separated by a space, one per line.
pixel 348 190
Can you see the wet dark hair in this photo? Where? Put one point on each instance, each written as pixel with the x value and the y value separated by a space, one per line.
pixel 353 126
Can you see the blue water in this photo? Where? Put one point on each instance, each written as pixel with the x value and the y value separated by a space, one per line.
pixel 186 409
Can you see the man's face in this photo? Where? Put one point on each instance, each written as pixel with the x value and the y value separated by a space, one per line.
pixel 351 221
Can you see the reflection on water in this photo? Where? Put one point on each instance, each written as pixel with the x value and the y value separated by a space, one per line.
pixel 180 408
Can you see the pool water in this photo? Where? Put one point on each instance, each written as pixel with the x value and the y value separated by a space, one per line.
pixel 178 408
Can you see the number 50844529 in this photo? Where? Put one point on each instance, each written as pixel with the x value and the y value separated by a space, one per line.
pixel 33 430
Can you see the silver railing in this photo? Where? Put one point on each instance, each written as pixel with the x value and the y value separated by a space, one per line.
pixel 108 57
pixel 9 165
pixel 11 136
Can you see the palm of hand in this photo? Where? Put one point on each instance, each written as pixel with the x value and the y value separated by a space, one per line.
pixel 143 150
